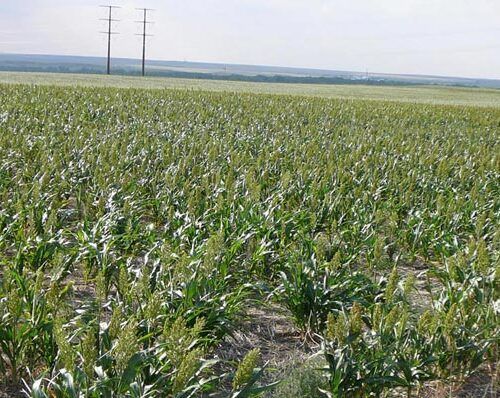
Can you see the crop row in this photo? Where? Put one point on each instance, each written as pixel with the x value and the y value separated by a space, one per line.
pixel 137 226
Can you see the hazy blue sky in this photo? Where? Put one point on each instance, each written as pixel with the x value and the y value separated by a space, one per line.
pixel 445 37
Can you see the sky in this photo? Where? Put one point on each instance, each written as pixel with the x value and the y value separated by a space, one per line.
pixel 433 37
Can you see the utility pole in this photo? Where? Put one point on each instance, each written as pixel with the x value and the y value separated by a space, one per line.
pixel 109 20
pixel 144 34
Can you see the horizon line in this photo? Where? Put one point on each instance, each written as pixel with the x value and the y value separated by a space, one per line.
pixel 317 69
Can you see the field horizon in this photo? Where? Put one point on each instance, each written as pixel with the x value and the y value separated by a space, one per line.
pixel 228 71
pixel 439 95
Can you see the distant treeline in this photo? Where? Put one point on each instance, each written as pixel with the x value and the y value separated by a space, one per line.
pixel 275 78
pixel 259 78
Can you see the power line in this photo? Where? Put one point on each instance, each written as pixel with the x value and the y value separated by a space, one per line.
pixel 109 33
pixel 144 34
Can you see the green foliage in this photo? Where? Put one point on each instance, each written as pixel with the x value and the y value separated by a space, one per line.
pixel 311 292
pixel 135 226
pixel 247 376
pixel 390 345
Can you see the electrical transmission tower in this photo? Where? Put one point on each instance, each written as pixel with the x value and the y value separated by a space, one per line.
pixel 144 34
pixel 110 20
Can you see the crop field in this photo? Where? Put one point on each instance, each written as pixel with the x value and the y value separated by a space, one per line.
pixel 180 243
pixel 420 94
